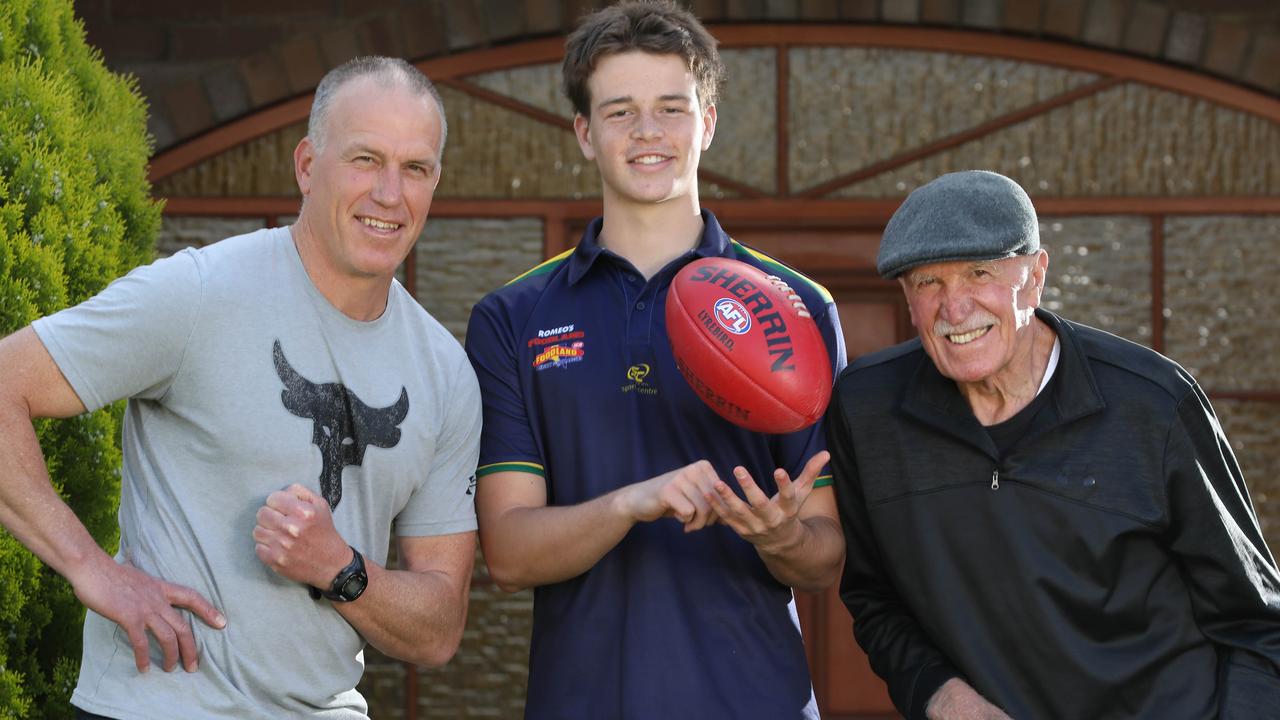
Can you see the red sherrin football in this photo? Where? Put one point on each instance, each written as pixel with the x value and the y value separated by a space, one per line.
pixel 748 346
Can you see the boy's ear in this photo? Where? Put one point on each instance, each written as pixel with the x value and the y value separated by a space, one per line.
pixel 582 131
pixel 708 126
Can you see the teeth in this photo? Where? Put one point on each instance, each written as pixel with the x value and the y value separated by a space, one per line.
pixel 378 224
pixel 649 159
pixel 966 338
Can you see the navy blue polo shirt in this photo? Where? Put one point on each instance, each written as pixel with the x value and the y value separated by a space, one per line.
pixel 580 387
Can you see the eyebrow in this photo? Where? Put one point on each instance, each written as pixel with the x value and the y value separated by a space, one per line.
pixel 362 149
pixel 627 98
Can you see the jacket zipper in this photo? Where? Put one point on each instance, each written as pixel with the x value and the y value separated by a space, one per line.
pixel 995 479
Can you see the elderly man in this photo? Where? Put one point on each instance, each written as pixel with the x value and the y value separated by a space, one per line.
pixel 288 402
pixel 1042 520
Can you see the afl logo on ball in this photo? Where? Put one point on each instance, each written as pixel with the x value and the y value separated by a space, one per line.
pixel 733 316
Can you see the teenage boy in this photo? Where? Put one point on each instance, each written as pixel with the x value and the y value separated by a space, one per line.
pixel 661 590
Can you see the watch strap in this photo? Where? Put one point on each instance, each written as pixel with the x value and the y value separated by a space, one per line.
pixel 335 591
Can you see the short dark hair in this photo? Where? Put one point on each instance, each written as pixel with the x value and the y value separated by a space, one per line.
pixel 386 71
pixel 660 27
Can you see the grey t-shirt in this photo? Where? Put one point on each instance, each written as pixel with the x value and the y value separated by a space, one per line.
pixel 243 379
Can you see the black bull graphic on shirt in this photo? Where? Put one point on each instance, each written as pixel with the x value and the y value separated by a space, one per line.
pixel 343 425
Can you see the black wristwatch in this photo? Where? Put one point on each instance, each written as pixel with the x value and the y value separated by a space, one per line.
pixel 348 584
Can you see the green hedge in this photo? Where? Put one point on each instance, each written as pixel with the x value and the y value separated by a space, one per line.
pixel 75 212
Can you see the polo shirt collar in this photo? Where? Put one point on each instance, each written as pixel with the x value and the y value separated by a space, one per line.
pixel 714 242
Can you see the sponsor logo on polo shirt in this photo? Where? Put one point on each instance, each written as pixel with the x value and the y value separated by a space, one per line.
pixel 556 336
pixel 556 331
pixel 559 355
pixel 637 374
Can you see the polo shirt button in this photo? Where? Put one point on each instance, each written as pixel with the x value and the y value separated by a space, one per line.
pixel 640 305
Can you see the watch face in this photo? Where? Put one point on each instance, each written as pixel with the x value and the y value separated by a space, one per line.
pixel 354 586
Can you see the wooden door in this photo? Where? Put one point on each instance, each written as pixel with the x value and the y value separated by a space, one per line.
pixel 873 315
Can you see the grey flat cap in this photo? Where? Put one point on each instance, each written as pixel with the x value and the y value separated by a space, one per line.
pixel 969 215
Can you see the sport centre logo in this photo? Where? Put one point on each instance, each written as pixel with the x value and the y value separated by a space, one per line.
pixel 559 356
pixel 637 374
pixel 733 316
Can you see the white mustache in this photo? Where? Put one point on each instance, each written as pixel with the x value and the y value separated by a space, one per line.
pixel 942 328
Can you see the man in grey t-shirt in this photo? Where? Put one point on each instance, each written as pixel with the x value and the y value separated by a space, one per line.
pixel 289 404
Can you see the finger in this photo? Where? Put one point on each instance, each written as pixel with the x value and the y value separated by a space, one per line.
pixel 263 536
pixel 813 468
pixel 283 501
pixel 736 513
pixel 269 516
pixel 141 648
pixel 168 640
pixel 786 489
pixel 286 516
pixel 808 476
pixel 308 499
pixel 186 643
pixel 269 557
pixel 704 475
pixel 680 507
pixel 702 510
pixel 272 522
pixel 755 496
pixel 791 495
pixel 185 597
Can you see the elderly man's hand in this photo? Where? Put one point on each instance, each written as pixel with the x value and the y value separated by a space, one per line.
pixel 956 700
pixel 296 538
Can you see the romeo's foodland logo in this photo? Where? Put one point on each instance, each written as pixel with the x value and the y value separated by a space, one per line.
pixel 637 374
pixel 559 356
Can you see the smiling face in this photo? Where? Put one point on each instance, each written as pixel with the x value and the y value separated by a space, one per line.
pixel 647 129
pixel 368 189
pixel 975 318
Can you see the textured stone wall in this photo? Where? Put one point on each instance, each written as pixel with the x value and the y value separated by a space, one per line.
pixel 1221 299
pixel 851 107
pixel 177 233
pixel 204 63
pixel 1129 141
pixel 460 260
pixel 1100 272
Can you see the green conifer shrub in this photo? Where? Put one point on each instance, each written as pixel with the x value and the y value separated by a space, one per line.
pixel 75 213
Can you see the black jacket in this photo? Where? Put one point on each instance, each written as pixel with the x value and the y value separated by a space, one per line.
pixel 1110 565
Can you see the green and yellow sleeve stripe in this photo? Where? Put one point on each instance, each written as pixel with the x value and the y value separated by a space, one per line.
pixel 528 467
pixel 544 267
pixel 791 276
